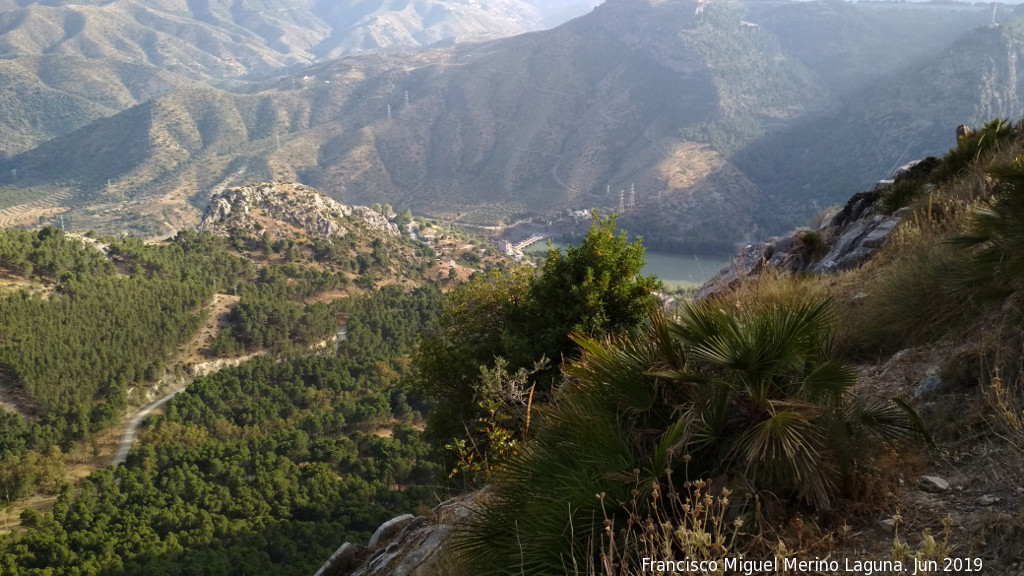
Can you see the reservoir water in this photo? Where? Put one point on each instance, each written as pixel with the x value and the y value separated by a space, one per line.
pixel 675 270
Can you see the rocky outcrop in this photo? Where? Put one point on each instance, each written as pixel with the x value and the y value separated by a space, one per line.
pixel 845 239
pixel 208 367
pixel 263 205
pixel 406 545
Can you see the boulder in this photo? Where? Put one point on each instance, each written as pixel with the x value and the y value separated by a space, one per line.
pixel 342 559
pixel 746 264
pixel 389 530
pixel 934 484
pixel 419 546
pixel 932 384
pixel 879 233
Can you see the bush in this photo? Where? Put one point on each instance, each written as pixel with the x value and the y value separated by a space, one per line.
pixel 912 300
pixel 972 149
pixel 594 289
pixel 995 237
pixel 756 398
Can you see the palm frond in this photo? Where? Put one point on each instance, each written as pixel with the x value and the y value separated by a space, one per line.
pixel 670 441
pixel 829 381
pixel 887 421
pixel 787 449
pixel 619 368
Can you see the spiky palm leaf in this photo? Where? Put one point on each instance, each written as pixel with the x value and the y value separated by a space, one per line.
pixel 789 449
pixel 757 397
pixel 996 237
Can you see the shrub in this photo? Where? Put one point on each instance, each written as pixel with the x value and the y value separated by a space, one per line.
pixel 756 398
pixel 989 138
pixel 995 237
pixel 912 300
pixel 812 244
pixel 524 318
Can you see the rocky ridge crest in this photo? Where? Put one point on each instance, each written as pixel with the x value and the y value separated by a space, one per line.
pixel 271 204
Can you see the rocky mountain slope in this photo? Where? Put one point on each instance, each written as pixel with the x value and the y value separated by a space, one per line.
pixel 909 115
pixel 678 115
pixel 65 65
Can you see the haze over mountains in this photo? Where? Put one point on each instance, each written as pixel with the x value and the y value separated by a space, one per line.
pixel 65 64
pixel 710 123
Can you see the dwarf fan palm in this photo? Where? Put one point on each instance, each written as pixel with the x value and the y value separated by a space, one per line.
pixel 777 408
pixel 756 398
pixel 996 236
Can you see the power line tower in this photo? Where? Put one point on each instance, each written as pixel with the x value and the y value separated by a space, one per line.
pixel 622 201
pixel 632 196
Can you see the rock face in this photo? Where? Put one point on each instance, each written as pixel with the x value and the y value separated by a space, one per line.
pixel 262 205
pixel 843 240
pixel 406 545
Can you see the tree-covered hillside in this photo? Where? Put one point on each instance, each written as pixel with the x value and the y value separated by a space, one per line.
pixel 79 335
pixel 259 469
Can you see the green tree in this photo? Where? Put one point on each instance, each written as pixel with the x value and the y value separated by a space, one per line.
pixel 467 336
pixel 594 289
pixel 526 318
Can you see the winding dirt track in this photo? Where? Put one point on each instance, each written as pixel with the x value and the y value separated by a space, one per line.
pixel 216 319
pixel 133 427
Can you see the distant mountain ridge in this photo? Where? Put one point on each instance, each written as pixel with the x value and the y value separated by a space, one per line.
pixel 65 65
pixel 904 117
pixel 683 117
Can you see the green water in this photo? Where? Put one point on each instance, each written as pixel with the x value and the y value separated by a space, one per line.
pixel 675 270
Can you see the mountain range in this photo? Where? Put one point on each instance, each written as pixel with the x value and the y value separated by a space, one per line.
pixel 66 64
pixel 703 123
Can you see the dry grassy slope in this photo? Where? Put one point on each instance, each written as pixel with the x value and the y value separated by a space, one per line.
pixel 919 331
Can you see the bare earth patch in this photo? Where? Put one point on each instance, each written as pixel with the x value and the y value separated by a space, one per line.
pixel 981 466
pixel 216 320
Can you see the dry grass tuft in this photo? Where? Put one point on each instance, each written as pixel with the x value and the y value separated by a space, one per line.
pixel 693 524
pixel 774 289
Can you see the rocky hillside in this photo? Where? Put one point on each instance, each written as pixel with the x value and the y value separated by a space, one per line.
pixel 923 277
pixel 845 239
pixel 297 227
pixel 274 206
pixel 684 119
pixel 65 65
